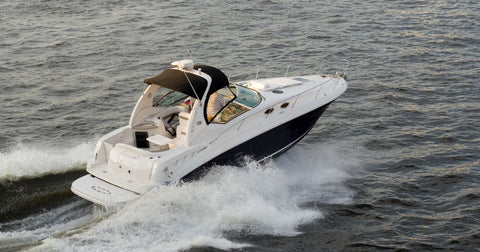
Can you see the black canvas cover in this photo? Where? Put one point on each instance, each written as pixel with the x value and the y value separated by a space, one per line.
pixel 219 79
pixel 176 79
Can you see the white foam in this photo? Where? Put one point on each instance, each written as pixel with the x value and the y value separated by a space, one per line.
pixel 255 199
pixel 37 160
pixel 317 172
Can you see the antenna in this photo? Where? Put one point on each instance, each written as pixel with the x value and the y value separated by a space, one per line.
pixel 190 53
pixel 195 92
pixel 256 76
pixel 320 66
pixel 286 72
pixel 345 71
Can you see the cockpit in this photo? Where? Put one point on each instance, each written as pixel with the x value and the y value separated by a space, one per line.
pixel 222 106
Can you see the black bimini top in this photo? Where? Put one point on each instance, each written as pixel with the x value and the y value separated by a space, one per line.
pixel 175 79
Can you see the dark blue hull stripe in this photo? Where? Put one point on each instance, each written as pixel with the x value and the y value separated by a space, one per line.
pixel 269 144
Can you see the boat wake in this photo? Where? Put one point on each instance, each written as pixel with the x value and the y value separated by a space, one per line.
pixel 36 161
pixel 218 210
pixel 32 230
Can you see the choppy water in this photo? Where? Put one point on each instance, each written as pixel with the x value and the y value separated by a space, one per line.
pixel 392 165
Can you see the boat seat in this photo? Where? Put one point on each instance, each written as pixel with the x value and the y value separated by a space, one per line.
pixel 161 141
pixel 182 127
pixel 184 116
pixel 182 130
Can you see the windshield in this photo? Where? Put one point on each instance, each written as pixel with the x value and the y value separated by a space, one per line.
pixel 218 101
pixel 171 98
pixel 234 101
pixel 247 97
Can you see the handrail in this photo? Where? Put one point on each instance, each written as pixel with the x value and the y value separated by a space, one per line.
pixel 236 124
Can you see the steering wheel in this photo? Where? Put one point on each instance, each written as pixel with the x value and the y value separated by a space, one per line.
pixel 171 118
pixel 168 127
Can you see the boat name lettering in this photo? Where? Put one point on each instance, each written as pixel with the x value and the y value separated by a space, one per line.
pixel 101 190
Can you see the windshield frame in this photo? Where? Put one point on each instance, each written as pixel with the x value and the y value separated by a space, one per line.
pixel 253 92
pixel 220 110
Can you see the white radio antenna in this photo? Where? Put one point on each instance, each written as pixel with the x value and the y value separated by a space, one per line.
pixel 320 66
pixel 286 72
pixel 345 71
pixel 195 92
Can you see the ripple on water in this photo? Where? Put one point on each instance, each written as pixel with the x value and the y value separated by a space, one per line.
pixel 410 117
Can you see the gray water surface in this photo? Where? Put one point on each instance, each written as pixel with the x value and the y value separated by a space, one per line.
pixel 393 164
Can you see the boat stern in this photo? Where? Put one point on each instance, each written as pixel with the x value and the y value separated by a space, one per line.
pixel 98 191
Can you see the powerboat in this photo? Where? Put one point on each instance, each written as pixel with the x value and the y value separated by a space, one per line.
pixel 191 117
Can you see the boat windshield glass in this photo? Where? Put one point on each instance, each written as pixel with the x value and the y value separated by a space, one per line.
pixel 218 101
pixel 239 101
pixel 171 98
pixel 247 97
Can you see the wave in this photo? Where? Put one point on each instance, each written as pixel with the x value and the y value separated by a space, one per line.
pixel 36 160
pixel 219 209
pixel 31 230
